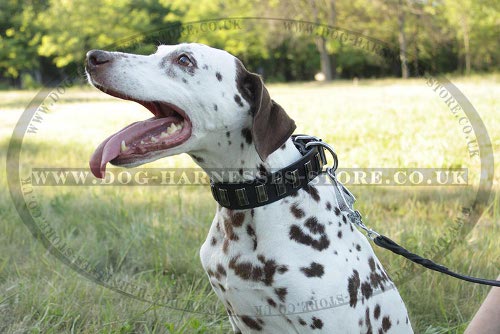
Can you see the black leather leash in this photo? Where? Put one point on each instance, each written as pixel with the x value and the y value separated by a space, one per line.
pixel 287 181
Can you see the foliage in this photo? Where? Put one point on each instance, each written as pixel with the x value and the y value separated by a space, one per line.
pixel 48 39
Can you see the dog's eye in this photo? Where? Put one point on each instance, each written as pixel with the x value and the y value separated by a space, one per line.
pixel 184 60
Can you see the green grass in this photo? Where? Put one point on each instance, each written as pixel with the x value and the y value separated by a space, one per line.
pixel 151 235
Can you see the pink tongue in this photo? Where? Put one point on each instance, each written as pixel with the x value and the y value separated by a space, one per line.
pixel 110 148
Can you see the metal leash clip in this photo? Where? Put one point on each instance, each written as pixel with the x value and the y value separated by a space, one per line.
pixel 315 141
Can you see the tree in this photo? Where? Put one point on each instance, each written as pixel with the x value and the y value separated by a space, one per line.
pixel 74 27
pixel 18 39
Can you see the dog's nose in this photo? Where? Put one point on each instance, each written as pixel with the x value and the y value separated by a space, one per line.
pixel 96 58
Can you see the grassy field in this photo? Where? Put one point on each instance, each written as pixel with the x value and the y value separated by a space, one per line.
pixel 151 235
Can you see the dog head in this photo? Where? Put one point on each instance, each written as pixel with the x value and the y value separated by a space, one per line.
pixel 196 93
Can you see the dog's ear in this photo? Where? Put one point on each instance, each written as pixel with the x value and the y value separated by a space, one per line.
pixel 271 125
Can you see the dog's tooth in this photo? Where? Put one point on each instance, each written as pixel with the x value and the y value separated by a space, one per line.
pixel 164 134
pixel 123 147
pixel 143 142
pixel 154 139
pixel 171 129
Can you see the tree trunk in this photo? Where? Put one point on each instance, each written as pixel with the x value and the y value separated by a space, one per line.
pixel 402 41
pixel 326 66
pixel 465 28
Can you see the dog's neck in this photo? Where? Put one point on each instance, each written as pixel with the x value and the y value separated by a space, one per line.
pixel 241 162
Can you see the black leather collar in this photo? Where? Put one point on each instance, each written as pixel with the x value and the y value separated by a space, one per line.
pixel 276 185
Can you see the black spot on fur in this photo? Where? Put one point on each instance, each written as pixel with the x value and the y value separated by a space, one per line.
pixel 302 322
pixel 281 293
pixel 214 241
pixel 228 134
pixel 218 76
pixel 198 159
pixel 366 290
pixel 215 107
pixel 296 211
pixel 371 263
pixel 221 270
pixel 251 323
pixel 337 211
pixel 316 323
pixel 313 225
pixel 249 271
pixel 367 320
pixel 251 233
pixel 184 80
pixel 358 247
pixel 311 190
pixel 339 234
pixel 247 134
pixel 283 146
pixel 329 206
pixel 205 67
pixel 299 236
pixel 237 99
pixel 386 323
pixel 314 270
pixel 271 302
pixel 376 312
pixel 353 284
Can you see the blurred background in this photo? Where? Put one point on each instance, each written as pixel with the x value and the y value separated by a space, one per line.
pixel 46 40
pixel 372 104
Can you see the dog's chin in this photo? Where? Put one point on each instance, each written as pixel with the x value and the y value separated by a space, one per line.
pixel 138 160
pixel 144 141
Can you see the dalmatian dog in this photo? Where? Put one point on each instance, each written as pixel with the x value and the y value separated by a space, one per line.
pixel 293 266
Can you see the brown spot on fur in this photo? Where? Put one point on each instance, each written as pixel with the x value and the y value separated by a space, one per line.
pixel 299 236
pixel 314 270
pixel 353 284
pixel 366 290
pixel 376 312
pixel 248 271
pixel 281 293
pixel 386 323
pixel 316 323
pixel 237 99
pixel 311 190
pixel 296 211
pixel 313 225
pixel 251 323
pixel 221 270
pixel 251 233
pixel 371 263
pixel 225 246
pixel 367 320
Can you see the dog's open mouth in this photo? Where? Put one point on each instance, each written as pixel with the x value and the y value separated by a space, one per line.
pixel 139 141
